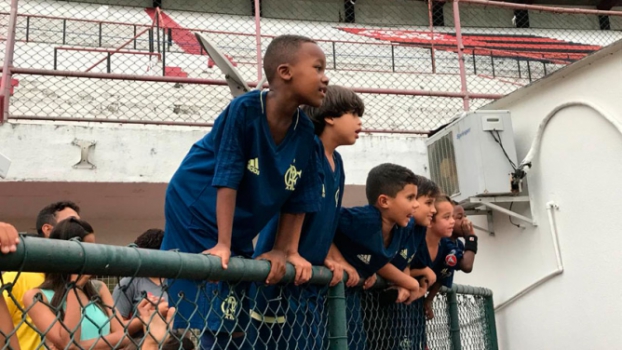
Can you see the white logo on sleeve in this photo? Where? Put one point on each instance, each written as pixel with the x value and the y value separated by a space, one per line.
pixel 291 177
pixel 366 258
pixel 253 166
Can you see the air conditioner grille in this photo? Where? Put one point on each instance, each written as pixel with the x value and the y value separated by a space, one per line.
pixel 443 169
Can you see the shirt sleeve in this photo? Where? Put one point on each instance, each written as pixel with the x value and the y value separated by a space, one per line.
pixel 123 298
pixel 229 147
pixel 307 196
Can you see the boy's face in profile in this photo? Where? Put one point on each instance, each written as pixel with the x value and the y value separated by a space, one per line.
pixel 307 74
pixel 403 206
pixel 347 128
pixel 426 210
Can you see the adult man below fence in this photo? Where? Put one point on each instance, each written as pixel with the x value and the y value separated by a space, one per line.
pixel 29 338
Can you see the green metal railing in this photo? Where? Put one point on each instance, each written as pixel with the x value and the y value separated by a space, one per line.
pixel 464 315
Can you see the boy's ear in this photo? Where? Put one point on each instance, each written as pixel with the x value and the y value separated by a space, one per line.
pixel 329 121
pixel 383 201
pixel 284 71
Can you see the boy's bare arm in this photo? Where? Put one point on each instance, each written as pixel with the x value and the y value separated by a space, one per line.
pixel 335 256
pixel 225 209
pixel 429 312
pixel 466 263
pixel 397 277
pixel 426 272
pixel 6 325
pixel 286 249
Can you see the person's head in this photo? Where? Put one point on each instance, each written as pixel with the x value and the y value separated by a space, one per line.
pixel 427 191
pixel 392 189
pixel 150 239
pixel 53 214
pixel 70 228
pixel 442 223
pixel 296 63
pixel 459 215
pixel 339 116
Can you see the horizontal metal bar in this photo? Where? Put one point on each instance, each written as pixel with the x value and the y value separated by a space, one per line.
pixel 499 199
pixel 182 80
pixel 50 255
pixel 510 213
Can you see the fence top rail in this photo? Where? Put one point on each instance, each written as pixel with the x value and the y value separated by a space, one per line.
pixel 79 19
pixel 35 254
pixel 168 79
pixel 468 290
pixel 542 8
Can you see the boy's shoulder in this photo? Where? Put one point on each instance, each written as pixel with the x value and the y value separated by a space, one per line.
pixel 360 219
pixel 250 99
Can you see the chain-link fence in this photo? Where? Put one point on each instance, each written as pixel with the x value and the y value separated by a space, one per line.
pixel 56 303
pixel 417 64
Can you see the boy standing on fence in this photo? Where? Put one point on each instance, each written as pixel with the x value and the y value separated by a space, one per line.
pixel 256 162
pixel 284 314
pixel 369 237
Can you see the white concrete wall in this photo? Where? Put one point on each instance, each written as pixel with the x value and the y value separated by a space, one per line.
pixel 151 154
pixel 578 168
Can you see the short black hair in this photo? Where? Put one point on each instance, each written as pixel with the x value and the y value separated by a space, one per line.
pixel 337 102
pixel 150 239
pixel 47 215
pixel 388 179
pixel 282 49
pixel 427 187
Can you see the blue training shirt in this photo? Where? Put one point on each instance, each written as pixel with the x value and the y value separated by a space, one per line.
pixel 359 239
pixel 444 265
pixel 240 153
pixel 410 247
pixel 319 228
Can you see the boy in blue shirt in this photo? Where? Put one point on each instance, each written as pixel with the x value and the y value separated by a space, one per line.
pixel 439 253
pixel 282 314
pixel 256 162
pixel 369 237
pixel 393 325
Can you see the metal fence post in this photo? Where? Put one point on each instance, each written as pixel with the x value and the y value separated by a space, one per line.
pixel 64 31
pixel 100 34
pixel 163 52
pixel 337 320
pixel 27 28
pixel 463 81
pixel 5 83
pixel 454 322
pixel 492 326
pixel 334 56
pixel 258 39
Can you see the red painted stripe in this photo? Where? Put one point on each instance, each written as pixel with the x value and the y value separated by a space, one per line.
pixel 181 36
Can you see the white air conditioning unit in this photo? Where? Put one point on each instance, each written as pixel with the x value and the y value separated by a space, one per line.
pixel 473 156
